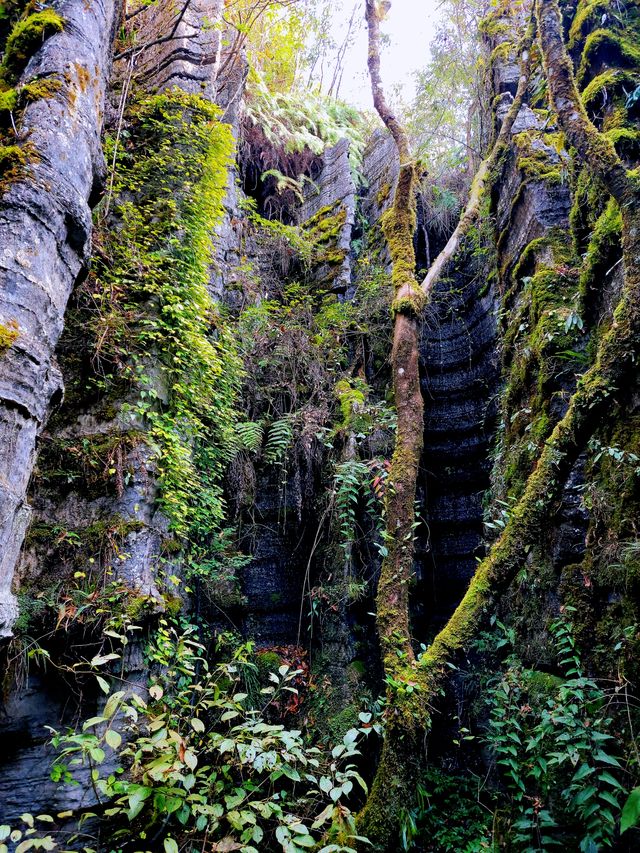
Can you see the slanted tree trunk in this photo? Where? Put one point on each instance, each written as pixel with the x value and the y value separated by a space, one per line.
pixel 616 359
pixel 417 686
pixel 45 230
pixel 399 224
pixel 407 720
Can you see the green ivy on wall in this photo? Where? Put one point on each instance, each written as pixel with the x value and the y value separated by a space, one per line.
pixel 157 322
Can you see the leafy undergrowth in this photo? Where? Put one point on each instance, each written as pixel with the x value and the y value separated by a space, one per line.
pixel 195 760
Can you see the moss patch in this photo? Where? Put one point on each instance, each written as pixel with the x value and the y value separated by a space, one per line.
pixel 9 333
pixel 25 38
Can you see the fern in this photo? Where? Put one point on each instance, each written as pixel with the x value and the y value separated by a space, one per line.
pixel 279 440
pixel 248 435
pixel 348 479
pixel 284 183
pixel 294 121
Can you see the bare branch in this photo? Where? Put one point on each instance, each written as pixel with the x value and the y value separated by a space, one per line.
pixel 172 35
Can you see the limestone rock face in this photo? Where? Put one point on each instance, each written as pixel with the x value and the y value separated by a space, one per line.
pixel 184 48
pixel 334 189
pixel 45 233
pixel 461 378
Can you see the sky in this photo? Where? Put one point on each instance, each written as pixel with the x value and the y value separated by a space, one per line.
pixel 410 26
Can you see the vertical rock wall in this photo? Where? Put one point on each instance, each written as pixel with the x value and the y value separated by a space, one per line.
pixel 45 233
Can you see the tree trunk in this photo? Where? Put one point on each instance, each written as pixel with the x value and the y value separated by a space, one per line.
pixel 418 685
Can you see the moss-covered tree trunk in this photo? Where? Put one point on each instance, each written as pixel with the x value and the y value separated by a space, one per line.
pixel 597 389
pixel 417 685
pixel 399 764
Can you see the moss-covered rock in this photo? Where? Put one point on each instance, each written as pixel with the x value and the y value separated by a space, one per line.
pixel 9 332
pixel 24 39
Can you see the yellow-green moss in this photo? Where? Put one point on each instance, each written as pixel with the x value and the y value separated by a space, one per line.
pixel 383 193
pixel 9 333
pixel 626 141
pixel 8 100
pixel 398 225
pixel 611 82
pixel 505 51
pixel 324 230
pixel 620 50
pixel 540 338
pixel 604 241
pixel 26 36
pixel 494 24
pixel 540 156
pixel 47 87
pixel 11 156
pixel 587 17
pixel 411 305
pixel 589 200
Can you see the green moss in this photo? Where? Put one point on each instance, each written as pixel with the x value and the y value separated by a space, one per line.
pixel 323 233
pixel 12 157
pixel 504 52
pixel 138 607
pixel 37 90
pixel 609 84
pixel 412 305
pixel 26 36
pixel 398 225
pixel 626 141
pixel 351 397
pixel 329 712
pixel 540 156
pixel 540 686
pixel 542 344
pixel 589 200
pixel 616 116
pixel 587 17
pixel 494 23
pixel 604 243
pixel 9 332
pixel 382 196
pixel 616 49
pixel 173 604
pixel 8 100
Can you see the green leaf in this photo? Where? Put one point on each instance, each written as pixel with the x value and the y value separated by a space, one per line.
pixel 103 684
pixel 607 759
pixel 631 811
pixel 113 702
pixel 605 776
pixel 325 784
pixel 608 798
pixel 99 660
pixel 170 846
pixel 113 738
pixel 583 771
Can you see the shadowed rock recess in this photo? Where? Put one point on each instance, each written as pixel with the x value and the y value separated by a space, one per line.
pixel 197 430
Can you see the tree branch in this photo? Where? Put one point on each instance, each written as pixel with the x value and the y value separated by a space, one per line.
pixel 162 40
pixel 485 170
